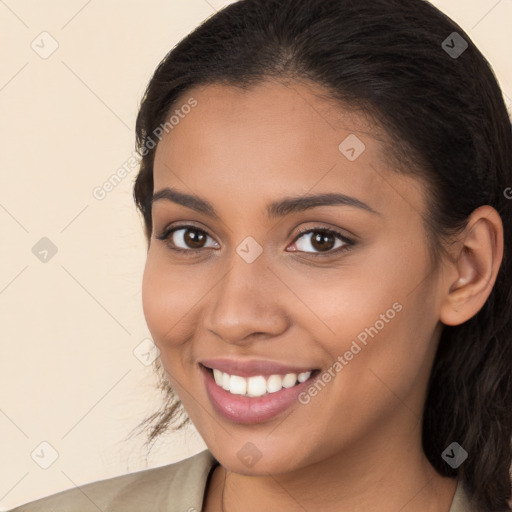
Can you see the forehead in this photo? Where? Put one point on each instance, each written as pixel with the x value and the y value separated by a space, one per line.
pixel 275 139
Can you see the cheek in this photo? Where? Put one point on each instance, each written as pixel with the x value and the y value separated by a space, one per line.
pixel 393 354
pixel 344 301
pixel 168 299
pixel 380 316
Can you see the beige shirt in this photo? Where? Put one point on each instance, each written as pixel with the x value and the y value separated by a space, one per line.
pixel 177 487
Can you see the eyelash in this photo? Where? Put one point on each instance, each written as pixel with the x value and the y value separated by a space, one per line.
pixel 166 233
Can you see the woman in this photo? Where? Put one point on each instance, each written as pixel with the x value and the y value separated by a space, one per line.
pixel 325 187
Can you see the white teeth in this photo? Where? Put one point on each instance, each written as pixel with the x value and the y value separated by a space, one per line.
pixel 225 381
pixel 290 379
pixel 274 383
pixel 217 375
pixel 257 385
pixel 304 376
pixel 237 385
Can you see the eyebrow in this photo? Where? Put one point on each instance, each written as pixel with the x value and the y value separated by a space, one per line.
pixel 274 210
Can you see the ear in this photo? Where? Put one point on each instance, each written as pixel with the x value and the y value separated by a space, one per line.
pixel 474 267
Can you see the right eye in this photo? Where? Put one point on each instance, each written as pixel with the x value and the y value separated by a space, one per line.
pixel 189 237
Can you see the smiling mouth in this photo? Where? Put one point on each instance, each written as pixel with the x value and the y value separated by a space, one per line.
pixel 258 385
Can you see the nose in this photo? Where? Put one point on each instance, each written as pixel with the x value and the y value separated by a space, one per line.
pixel 248 302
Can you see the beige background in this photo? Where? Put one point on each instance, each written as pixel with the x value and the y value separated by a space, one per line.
pixel 70 326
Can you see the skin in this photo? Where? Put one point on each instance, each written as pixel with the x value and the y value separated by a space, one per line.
pixel 357 444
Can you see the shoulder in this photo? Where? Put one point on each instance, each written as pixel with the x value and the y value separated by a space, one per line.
pixel 178 486
pixel 462 500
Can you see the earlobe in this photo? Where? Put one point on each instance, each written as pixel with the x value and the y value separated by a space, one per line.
pixel 476 267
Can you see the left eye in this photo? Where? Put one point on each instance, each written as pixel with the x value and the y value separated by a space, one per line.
pixel 323 240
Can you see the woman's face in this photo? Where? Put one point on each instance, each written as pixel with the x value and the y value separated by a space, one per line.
pixel 361 307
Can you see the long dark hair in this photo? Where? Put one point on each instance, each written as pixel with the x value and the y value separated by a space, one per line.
pixel 437 97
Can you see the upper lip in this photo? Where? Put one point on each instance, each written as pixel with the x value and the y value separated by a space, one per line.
pixel 251 368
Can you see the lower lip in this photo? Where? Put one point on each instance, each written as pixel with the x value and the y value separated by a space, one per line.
pixel 245 409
